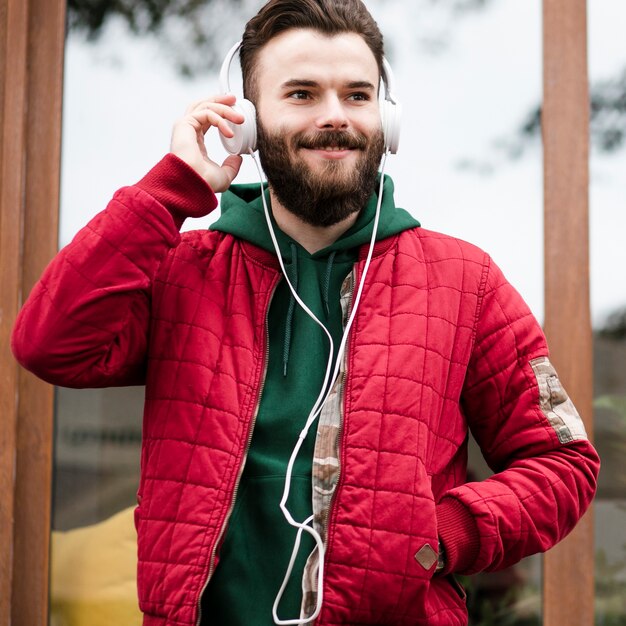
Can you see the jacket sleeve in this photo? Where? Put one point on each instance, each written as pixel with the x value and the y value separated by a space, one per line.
pixel 86 322
pixel 530 435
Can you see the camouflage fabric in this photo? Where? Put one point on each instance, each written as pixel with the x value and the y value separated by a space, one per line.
pixel 326 462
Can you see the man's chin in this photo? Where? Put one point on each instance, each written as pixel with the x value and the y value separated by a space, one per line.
pixel 323 170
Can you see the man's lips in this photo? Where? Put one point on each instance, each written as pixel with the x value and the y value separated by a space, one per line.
pixel 331 145
pixel 330 152
pixel 333 148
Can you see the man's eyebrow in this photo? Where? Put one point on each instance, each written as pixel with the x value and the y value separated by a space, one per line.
pixel 302 82
pixel 361 84
pixel 299 82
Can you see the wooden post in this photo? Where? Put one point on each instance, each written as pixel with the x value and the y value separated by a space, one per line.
pixel 31 69
pixel 568 568
pixel 14 16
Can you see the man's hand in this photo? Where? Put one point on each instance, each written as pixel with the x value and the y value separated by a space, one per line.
pixel 188 139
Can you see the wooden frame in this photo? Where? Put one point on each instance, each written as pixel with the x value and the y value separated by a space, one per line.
pixel 32 36
pixel 31 62
pixel 568 589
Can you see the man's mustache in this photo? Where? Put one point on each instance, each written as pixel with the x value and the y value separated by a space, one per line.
pixel 330 138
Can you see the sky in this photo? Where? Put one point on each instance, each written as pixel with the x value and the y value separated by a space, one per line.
pixel 460 99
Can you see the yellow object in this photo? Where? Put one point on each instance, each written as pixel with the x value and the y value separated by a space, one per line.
pixel 93 574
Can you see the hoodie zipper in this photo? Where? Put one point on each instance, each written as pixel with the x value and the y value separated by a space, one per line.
pixel 243 463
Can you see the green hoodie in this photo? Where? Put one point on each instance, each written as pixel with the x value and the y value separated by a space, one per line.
pixel 258 542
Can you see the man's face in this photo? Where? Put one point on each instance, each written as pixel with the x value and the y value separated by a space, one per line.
pixel 320 137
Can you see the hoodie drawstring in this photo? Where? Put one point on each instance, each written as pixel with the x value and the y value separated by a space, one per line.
pixel 293 271
pixel 290 310
pixel 329 268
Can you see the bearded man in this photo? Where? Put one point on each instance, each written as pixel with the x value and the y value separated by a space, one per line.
pixel 380 513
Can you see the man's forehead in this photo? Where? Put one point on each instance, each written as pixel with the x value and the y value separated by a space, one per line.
pixel 306 54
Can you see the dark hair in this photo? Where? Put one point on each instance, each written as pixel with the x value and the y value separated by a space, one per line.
pixel 330 17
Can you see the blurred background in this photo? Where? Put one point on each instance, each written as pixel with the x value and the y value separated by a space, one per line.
pixel 469 75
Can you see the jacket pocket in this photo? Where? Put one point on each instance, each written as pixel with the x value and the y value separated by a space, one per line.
pixel 457 586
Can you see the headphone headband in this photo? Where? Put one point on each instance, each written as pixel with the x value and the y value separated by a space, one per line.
pixel 225 70
pixel 388 81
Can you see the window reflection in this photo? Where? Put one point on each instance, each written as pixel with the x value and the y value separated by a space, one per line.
pixel 97 444
pixel 510 597
pixel 607 69
pixel 610 437
pixel 98 431
pixel 93 545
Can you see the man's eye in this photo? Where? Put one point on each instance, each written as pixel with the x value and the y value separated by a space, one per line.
pixel 299 95
pixel 361 96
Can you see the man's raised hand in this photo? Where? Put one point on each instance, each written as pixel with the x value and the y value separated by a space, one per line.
pixel 188 139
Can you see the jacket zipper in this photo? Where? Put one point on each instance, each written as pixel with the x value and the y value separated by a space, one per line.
pixel 243 463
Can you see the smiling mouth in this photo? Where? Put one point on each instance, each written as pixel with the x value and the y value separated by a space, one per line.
pixel 329 147
pixel 331 153
pixel 332 143
pixel 333 148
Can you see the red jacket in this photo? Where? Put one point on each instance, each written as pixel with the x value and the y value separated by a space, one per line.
pixel 441 342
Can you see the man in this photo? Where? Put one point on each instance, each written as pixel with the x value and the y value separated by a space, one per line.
pixel 232 366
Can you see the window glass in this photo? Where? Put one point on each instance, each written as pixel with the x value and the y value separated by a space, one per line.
pixel 467 166
pixel 608 262
pixel 96 470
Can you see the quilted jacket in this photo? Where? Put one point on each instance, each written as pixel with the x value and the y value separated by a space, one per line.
pixel 440 343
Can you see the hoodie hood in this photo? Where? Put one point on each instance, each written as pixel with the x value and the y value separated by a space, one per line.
pixel 242 216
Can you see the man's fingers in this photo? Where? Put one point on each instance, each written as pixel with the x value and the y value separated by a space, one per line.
pixel 214 114
pixel 207 118
pixel 225 111
pixel 224 107
pixel 187 139
pixel 225 98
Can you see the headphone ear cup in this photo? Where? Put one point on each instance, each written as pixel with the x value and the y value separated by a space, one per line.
pixel 390 114
pixel 244 139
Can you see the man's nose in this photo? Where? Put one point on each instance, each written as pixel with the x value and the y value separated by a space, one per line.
pixel 332 114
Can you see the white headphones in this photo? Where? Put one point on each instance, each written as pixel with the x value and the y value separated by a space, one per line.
pixel 244 140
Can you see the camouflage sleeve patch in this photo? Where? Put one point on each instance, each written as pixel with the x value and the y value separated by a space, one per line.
pixel 556 404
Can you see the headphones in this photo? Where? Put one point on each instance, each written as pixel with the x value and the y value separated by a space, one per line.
pixel 244 139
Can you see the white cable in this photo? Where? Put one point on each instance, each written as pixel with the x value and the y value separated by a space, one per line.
pixel 317 407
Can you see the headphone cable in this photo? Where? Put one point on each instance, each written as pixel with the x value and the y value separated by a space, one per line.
pixel 317 407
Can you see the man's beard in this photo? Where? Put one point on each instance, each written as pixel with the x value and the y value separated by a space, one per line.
pixel 327 196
